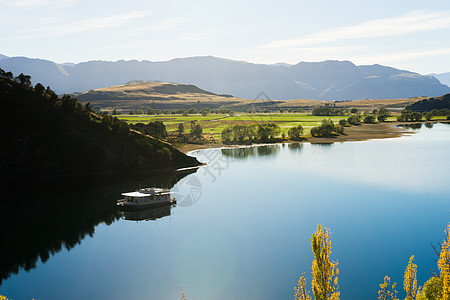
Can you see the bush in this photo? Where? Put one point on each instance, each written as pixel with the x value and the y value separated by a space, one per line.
pixel 325 129
pixel 354 120
pixel 295 132
pixel 369 119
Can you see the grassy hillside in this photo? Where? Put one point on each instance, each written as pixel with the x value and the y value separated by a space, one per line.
pixel 42 134
pixel 430 104
pixel 160 95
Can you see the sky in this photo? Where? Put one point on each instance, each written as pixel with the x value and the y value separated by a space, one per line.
pixel 411 35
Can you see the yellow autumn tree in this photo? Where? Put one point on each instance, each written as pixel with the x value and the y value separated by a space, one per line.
pixel 444 265
pixel 301 293
pixel 324 271
pixel 410 280
pixel 385 293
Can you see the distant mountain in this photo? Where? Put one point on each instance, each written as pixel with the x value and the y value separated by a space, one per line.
pixel 443 78
pixel 3 56
pixel 328 80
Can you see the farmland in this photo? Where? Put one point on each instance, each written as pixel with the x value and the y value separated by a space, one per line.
pixel 213 124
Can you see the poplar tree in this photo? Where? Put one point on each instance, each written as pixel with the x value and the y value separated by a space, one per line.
pixel 384 293
pixel 300 290
pixel 324 272
pixel 410 279
pixel 444 264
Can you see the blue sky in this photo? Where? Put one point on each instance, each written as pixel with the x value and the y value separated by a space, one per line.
pixel 412 35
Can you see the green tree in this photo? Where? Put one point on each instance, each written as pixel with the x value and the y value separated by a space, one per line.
pixel 369 119
pixel 353 120
pixel 196 130
pixel 295 132
pixel 428 116
pixel 180 129
pixel 325 129
pixel 410 279
pixel 324 271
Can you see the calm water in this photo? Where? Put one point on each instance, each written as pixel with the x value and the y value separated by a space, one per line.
pixel 242 225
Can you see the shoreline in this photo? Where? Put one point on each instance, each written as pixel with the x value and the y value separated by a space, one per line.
pixel 355 133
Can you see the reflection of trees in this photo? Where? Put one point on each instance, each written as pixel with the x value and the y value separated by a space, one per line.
pixel 295 146
pixel 240 153
pixel 411 126
pixel 39 220
pixel 429 125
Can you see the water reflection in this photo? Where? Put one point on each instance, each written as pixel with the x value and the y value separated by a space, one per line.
pixel 411 125
pixel 147 214
pixel 40 219
pixel 429 125
pixel 295 146
pixel 241 153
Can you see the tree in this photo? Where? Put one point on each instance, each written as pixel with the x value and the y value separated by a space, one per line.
pixel 295 132
pixel 428 116
pixel 180 129
pixel 353 120
pixel 444 264
pixel 324 271
pixel 384 293
pixel 300 290
pixel 369 119
pixel 325 129
pixel 432 290
pixel 24 79
pixel 381 118
pixel 343 122
pixel 410 279
pixel 196 130
pixel 39 89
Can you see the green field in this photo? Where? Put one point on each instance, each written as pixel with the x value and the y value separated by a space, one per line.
pixel 214 123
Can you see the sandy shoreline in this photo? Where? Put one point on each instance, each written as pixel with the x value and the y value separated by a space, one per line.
pixel 361 132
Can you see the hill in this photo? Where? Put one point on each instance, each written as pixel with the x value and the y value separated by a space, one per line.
pixel 442 102
pixel 42 134
pixel 328 80
pixel 163 96
pixel 157 95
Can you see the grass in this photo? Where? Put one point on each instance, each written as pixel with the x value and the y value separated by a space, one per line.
pixel 214 124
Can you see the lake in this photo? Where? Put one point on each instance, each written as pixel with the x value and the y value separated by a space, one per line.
pixel 242 225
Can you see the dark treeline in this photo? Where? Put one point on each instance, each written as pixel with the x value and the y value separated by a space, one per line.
pixel 430 104
pixel 241 133
pixel 328 111
pixel 43 134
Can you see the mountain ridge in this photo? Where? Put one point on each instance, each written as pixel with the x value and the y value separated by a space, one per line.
pixel 327 80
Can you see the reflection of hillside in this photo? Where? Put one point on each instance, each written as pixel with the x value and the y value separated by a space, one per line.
pixel 39 220
pixel 256 151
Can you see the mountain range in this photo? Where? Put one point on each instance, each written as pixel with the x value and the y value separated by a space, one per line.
pixel 327 80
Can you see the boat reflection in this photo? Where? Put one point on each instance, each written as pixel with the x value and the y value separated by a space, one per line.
pixel 147 214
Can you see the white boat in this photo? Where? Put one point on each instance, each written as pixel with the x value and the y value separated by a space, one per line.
pixel 147 197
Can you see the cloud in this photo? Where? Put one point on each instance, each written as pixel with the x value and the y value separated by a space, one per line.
pixel 37 3
pixel 106 22
pixel 55 28
pixel 404 56
pixel 416 21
